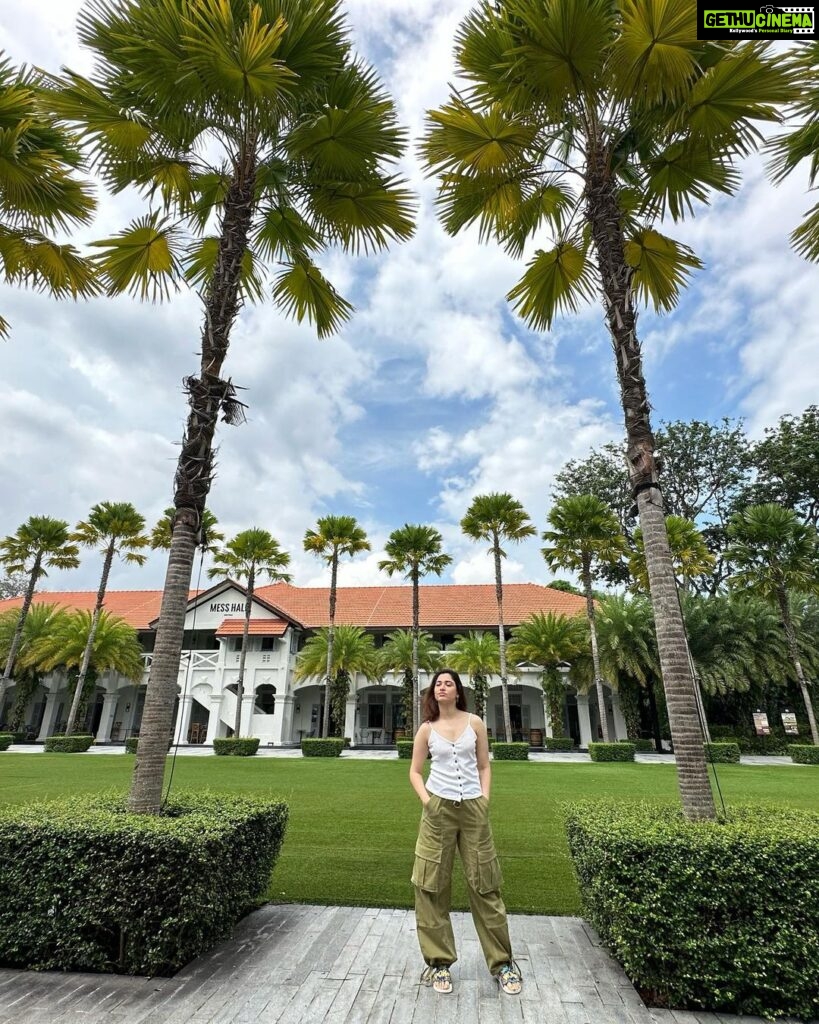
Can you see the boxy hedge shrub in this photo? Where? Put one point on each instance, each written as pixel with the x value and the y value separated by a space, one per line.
pixel 131 744
pixel 74 744
pixel 329 747
pixel 510 751
pixel 558 742
pixel 803 753
pixel 643 746
pixel 620 751
pixel 236 746
pixel 6 740
pixel 89 887
pixel 722 753
pixel 721 916
pixel 404 749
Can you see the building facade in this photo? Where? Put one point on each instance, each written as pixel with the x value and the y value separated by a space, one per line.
pixel 277 708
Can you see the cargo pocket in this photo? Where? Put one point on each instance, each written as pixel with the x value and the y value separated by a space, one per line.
pixel 489 878
pixel 426 871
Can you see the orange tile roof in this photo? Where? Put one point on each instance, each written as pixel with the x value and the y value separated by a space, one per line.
pixel 443 606
pixel 258 627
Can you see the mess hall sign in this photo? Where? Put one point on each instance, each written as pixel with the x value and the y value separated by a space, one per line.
pixel 222 607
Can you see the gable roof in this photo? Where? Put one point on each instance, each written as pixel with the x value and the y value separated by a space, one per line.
pixel 257 627
pixel 198 597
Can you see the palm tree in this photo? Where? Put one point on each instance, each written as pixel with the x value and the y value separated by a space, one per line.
pixel 404 651
pixel 547 640
pixel 774 555
pixel 250 554
pixel 40 621
pixel 117 528
pixel 498 517
pixel 209 537
pixel 333 537
pixel 585 535
pixel 478 655
pixel 116 648
pixel 41 543
pixel 341 655
pixel 259 139
pixel 593 119
pixel 39 194
pixel 415 551
pixel 689 554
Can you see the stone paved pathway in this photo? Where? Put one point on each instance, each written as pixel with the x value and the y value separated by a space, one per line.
pixel 294 964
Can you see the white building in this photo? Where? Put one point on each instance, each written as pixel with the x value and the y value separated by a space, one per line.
pixel 278 709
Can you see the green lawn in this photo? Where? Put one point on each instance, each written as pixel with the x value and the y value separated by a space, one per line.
pixel 353 822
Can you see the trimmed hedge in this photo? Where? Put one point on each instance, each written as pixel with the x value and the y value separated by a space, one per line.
pixel 329 747
pixel 643 746
pixel 620 751
pixel 558 742
pixel 237 746
pixel 131 744
pixel 89 887
pixel 722 753
pixel 510 751
pixel 404 749
pixel 6 740
pixel 802 753
pixel 722 916
pixel 74 744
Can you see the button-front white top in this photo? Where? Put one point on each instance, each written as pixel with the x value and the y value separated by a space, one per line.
pixel 454 771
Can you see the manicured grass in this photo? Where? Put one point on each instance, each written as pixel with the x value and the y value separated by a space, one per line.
pixel 353 822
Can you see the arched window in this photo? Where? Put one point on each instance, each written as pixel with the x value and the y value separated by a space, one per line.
pixel 265 699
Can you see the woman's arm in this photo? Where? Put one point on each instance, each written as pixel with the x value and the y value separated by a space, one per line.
pixel 420 749
pixel 482 755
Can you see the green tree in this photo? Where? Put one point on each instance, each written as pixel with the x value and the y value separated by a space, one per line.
pixel 498 518
pixel 415 551
pixel 776 555
pixel 40 621
pixel 40 194
pixel 260 140
pixel 210 537
pixel 787 466
pixel 547 640
pixel 405 652
pixel 595 119
pixel 338 657
pixel 333 537
pixel 250 555
pixel 117 529
pixel 13 584
pixel 585 534
pixel 41 543
pixel 689 554
pixel 477 654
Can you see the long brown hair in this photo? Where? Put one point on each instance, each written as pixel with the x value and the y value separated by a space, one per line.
pixel 430 712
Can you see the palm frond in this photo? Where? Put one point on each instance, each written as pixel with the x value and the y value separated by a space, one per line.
pixel 302 291
pixel 144 260
pixel 661 267
pixel 363 215
pixel 654 54
pixel 557 281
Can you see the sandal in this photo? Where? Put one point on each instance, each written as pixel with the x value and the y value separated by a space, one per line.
pixel 509 978
pixel 438 977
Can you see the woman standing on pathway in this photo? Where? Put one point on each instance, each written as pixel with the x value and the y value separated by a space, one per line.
pixel 456 813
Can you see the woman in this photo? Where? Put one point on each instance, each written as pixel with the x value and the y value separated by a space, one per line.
pixel 456 813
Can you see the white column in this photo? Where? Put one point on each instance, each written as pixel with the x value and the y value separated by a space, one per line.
pixel 547 718
pixel 585 721
pixel 109 710
pixel 349 718
pixel 50 715
pixel 246 722
pixel 620 730
pixel 214 721
pixel 183 719
pixel 283 719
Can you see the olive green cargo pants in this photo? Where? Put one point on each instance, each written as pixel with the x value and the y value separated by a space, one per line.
pixel 446 824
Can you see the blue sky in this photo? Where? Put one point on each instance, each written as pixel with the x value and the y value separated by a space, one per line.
pixel 433 393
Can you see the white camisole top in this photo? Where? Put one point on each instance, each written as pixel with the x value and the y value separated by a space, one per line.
pixel 454 771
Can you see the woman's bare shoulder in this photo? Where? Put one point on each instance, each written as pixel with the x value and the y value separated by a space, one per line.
pixel 477 725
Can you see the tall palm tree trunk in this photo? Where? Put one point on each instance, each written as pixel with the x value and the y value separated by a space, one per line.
pixel 70 725
pixel 793 651
pixel 208 394
pixel 507 718
pixel 416 621
pixel 598 678
pixel 18 629
pixel 604 217
pixel 325 724
pixel 240 682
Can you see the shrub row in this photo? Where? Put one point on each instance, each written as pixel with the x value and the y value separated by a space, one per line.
pixel 89 887
pixel 558 742
pixel 620 751
pixel 404 749
pixel 330 746
pixel 722 753
pixel 643 746
pixel 803 753
pixel 6 740
pixel 510 751
pixel 237 746
pixel 721 916
pixel 74 744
